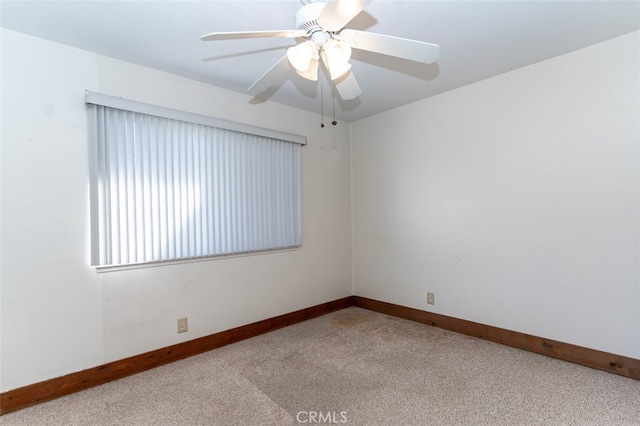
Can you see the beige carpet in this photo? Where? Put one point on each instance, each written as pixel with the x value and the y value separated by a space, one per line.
pixel 354 367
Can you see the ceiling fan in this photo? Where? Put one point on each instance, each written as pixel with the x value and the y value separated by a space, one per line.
pixel 320 23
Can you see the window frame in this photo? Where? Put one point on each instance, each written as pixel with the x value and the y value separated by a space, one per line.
pixel 101 100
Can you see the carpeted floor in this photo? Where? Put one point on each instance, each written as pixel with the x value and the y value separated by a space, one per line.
pixel 354 367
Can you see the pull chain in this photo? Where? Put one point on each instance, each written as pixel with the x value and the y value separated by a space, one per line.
pixel 321 104
pixel 333 97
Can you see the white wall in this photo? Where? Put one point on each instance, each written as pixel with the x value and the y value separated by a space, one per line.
pixel 515 200
pixel 51 300
pixel 57 314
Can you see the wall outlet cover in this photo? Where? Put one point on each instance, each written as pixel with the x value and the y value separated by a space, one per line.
pixel 182 325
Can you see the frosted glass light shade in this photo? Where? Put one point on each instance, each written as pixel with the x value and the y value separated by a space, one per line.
pixel 338 70
pixel 300 55
pixel 312 72
pixel 336 57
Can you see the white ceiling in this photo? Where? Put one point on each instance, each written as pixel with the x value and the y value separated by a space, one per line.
pixel 478 39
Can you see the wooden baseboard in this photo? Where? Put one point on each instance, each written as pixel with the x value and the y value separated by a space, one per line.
pixel 617 364
pixel 60 386
pixel 57 387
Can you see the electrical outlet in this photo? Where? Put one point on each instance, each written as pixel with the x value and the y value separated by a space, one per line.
pixel 431 298
pixel 182 325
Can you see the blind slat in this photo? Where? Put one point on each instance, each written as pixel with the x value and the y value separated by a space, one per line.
pixel 171 114
pixel 164 189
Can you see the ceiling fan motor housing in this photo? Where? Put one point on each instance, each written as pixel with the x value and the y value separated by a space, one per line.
pixel 307 20
pixel 307 17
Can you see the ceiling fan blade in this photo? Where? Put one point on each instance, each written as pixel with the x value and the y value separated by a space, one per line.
pixel 270 77
pixel 348 87
pixel 253 34
pixel 412 50
pixel 337 13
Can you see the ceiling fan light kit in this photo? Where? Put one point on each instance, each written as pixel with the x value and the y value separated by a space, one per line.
pixel 321 23
pixel 310 73
pixel 335 55
pixel 301 55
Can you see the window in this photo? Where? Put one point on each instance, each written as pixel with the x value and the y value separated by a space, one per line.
pixel 168 185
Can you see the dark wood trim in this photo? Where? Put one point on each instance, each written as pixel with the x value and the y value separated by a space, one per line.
pixel 47 390
pixel 617 364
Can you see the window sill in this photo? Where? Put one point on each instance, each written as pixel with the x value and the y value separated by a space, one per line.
pixel 162 263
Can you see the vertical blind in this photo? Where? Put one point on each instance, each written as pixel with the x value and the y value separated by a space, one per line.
pixel 167 189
